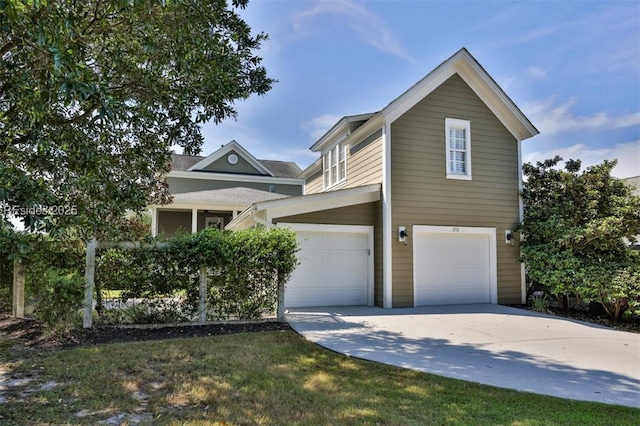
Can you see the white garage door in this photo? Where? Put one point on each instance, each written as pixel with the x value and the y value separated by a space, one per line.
pixel 336 266
pixel 454 265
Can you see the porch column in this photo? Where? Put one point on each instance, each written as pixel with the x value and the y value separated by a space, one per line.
pixel 194 221
pixel 154 221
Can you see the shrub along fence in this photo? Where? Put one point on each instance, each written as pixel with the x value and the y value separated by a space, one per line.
pixel 210 275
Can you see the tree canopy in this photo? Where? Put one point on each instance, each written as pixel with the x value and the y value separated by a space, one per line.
pixel 94 93
pixel 577 228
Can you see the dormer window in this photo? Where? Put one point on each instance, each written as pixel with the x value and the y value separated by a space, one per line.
pixel 334 165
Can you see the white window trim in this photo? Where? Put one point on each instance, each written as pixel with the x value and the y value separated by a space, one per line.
pixel 336 156
pixel 458 124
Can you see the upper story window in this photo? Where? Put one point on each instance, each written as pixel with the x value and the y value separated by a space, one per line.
pixel 334 164
pixel 458 135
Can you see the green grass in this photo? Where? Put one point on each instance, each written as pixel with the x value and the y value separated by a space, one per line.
pixel 262 379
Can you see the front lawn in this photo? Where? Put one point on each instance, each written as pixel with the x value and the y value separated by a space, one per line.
pixel 269 378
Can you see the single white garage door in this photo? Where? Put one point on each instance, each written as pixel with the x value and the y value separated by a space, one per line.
pixel 336 266
pixel 454 265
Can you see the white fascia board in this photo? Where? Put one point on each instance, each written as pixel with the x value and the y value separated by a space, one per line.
pixel 338 131
pixel 231 146
pixel 497 101
pixel 415 94
pixel 312 168
pixel 480 82
pixel 243 221
pixel 233 177
pixel 322 201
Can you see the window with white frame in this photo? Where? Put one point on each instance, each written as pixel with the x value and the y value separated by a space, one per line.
pixel 334 163
pixel 458 139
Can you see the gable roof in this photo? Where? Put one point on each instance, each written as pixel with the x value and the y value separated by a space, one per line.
pixel 226 149
pixel 285 169
pixel 470 70
pixel 268 168
pixel 240 196
pixel 180 162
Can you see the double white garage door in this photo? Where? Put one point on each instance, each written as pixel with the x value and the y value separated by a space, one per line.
pixel 450 266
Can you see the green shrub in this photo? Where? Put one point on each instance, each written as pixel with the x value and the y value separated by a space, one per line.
pixel 243 271
pixel 60 299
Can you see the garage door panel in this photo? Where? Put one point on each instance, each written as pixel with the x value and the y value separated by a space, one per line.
pixel 334 268
pixel 452 268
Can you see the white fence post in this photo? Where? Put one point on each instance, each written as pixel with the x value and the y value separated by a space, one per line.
pixel 281 311
pixel 89 277
pixel 18 289
pixel 202 309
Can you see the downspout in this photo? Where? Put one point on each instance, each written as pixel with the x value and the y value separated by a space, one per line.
pixel 523 283
pixel 387 284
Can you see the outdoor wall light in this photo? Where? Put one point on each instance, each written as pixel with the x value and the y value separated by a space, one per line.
pixel 508 237
pixel 402 234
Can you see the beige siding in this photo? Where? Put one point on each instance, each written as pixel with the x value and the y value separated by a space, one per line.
pixel 369 214
pixel 180 185
pixel 421 195
pixel 364 166
pixel 222 165
pixel 313 185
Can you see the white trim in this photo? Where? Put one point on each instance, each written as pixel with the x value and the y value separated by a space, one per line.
pixel 466 126
pixel 318 202
pixel 458 230
pixel 480 82
pixel 270 210
pixel 154 221
pixel 233 177
pixel 339 129
pixel 339 148
pixel 387 228
pixel 194 221
pixel 353 229
pixel 231 146
pixel 523 277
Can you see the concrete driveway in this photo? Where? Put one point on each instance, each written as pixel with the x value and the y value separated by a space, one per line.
pixel 490 344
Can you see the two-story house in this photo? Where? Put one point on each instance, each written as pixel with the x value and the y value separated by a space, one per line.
pixel 414 204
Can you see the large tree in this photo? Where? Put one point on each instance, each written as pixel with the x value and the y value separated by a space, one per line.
pixel 93 93
pixel 577 230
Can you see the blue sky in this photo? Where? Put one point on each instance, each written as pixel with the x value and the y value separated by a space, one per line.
pixel 572 67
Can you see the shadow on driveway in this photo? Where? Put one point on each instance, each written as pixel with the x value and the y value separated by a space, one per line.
pixel 489 344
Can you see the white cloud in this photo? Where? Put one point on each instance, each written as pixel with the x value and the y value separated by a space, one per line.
pixel 627 154
pixel 538 72
pixel 371 28
pixel 318 126
pixel 551 118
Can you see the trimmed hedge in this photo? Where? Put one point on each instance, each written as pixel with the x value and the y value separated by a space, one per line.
pixel 243 272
